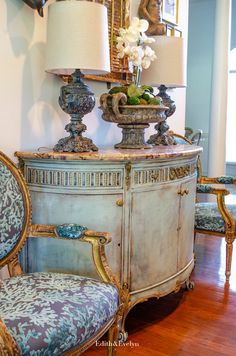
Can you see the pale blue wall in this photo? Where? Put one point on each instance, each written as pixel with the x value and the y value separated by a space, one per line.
pixel 200 59
pixel 233 25
pixel 199 73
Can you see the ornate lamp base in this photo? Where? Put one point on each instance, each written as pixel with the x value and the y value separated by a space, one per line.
pixel 75 144
pixel 162 137
pixel 77 100
pixel 133 136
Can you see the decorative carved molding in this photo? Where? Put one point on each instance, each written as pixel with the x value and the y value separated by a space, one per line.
pixel 75 179
pixel 14 267
pixel 128 167
pixel 106 179
pixel 164 174
pixel 180 172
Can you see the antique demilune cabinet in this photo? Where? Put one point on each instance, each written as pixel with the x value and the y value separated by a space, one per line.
pixel 144 198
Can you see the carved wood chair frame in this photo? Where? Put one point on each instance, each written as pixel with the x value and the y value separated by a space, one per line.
pixel 206 185
pixel 98 240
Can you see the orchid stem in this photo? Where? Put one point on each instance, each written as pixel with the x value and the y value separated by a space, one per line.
pixel 138 76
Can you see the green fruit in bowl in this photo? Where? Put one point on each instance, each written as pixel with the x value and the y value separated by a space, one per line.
pixel 143 102
pixel 154 101
pixel 134 91
pixel 146 97
pixel 147 88
pixel 133 101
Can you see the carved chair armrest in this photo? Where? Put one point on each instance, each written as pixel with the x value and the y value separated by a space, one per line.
pixel 209 189
pixel 218 180
pixel 220 196
pixel 8 345
pixel 98 240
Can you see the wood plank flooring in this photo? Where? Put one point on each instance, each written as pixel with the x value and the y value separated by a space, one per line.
pixel 199 322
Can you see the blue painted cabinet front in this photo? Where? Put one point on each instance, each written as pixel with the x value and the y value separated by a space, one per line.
pixel 145 200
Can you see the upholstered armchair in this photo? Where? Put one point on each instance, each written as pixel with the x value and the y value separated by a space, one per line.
pixel 50 313
pixel 215 218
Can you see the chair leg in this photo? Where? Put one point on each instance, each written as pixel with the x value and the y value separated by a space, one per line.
pixel 229 252
pixel 113 333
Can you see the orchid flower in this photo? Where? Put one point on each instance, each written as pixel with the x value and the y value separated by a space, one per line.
pixel 132 43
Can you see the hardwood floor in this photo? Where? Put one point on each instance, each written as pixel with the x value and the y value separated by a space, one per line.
pixel 198 322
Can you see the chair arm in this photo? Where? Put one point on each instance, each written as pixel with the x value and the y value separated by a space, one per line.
pixel 220 194
pixel 209 189
pixel 8 345
pixel 218 180
pixel 98 240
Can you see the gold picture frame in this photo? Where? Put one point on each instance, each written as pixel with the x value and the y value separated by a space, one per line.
pixel 170 11
pixel 118 16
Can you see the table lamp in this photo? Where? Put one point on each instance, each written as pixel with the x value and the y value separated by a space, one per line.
pixel 77 42
pixel 168 71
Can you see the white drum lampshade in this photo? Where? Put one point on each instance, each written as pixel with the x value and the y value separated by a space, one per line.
pixel 167 71
pixel 169 68
pixel 77 44
pixel 77 38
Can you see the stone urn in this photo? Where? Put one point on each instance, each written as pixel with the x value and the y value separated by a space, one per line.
pixel 133 119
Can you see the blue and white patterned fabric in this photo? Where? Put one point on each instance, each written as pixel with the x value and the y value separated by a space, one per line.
pixel 70 231
pixel 12 212
pixel 180 140
pixel 204 188
pixel 50 313
pixel 225 180
pixel 208 217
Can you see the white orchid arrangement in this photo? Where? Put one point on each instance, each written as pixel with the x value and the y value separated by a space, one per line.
pixel 132 43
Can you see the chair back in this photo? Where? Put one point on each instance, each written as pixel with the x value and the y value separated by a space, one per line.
pixel 15 210
pixel 196 137
pixel 188 132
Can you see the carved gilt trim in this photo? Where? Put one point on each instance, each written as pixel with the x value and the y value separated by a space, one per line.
pixel 98 240
pixel 78 179
pixel 8 345
pixel 14 267
pixel 128 167
pixel 180 172
pixel 163 174
pixel 27 210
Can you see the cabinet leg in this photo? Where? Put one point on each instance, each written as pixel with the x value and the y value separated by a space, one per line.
pixel 189 285
pixel 113 337
pixel 123 335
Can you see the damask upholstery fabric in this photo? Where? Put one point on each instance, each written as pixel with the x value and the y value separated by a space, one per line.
pixel 208 217
pixel 49 313
pixel 11 211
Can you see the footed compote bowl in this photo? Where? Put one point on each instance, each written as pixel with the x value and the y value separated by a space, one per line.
pixel 133 119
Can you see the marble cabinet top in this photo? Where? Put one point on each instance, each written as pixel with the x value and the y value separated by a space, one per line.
pixel 110 154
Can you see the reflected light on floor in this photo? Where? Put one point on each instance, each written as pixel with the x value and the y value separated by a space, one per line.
pixel 211 253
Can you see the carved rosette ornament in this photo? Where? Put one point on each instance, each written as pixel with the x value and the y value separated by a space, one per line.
pixel 77 100
pixel 133 119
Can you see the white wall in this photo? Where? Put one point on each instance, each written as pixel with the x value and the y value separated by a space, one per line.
pixel 30 115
